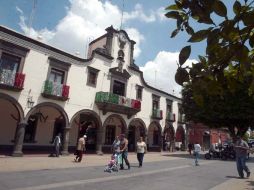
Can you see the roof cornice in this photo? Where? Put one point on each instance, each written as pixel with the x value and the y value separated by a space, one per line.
pixel 150 87
pixel 48 47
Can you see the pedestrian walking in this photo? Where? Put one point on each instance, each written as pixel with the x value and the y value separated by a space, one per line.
pixel 57 144
pixel 197 150
pixel 241 150
pixel 141 150
pixel 168 144
pixel 190 146
pixel 80 148
pixel 124 151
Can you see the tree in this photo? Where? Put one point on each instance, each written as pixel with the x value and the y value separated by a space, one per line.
pixel 218 90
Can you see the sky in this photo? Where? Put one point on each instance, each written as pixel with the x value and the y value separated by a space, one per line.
pixel 71 24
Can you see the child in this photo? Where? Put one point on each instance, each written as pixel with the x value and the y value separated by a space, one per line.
pixel 112 165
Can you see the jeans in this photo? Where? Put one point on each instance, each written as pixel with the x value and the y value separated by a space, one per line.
pixel 196 157
pixel 57 151
pixel 124 157
pixel 79 155
pixel 140 157
pixel 241 165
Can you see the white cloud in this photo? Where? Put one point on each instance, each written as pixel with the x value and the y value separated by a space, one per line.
pixel 160 72
pixel 135 35
pixel 160 12
pixel 86 20
pixel 139 14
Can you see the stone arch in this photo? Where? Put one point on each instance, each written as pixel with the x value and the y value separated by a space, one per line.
pixel 15 103
pixel 50 104
pixel 154 136
pixel 180 137
pixel 12 114
pixel 86 122
pixel 136 129
pixel 43 122
pixel 168 137
pixel 113 126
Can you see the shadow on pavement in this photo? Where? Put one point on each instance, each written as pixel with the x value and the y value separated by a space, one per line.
pixel 182 155
pixel 202 157
pixel 251 183
pixel 233 177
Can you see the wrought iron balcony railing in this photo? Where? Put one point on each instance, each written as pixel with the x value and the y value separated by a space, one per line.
pixel 157 114
pixel 170 116
pixel 181 118
pixel 55 90
pixel 11 80
pixel 115 103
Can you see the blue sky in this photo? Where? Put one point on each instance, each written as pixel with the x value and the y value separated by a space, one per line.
pixel 82 20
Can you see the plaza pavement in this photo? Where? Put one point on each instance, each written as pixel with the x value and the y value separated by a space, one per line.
pixel 43 162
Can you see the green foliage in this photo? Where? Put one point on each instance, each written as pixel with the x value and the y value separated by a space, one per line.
pixel 184 54
pixel 219 89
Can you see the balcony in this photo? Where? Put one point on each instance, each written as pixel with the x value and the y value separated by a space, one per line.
pixel 109 102
pixel 55 91
pixel 170 117
pixel 157 114
pixel 11 80
pixel 181 118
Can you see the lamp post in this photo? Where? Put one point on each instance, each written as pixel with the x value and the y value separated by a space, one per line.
pixel 30 102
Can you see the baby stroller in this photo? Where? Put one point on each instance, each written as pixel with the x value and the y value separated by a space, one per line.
pixel 113 164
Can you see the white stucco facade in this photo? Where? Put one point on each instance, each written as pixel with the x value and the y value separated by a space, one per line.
pixel 104 61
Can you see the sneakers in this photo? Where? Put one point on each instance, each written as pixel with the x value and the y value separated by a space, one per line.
pixel 248 174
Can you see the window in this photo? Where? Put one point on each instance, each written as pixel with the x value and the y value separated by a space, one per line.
pixel 58 71
pixel 169 105
pixel 156 102
pixel 9 63
pixel 92 76
pixel 12 56
pixel 31 129
pixel 169 108
pixel 56 76
pixel 139 92
pixel 55 84
pixel 119 88
pixel 155 105
pixel 110 134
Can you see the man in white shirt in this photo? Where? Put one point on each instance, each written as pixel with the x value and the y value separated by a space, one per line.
pixel 197 150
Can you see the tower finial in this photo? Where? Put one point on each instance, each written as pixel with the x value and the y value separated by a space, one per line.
pixel 122 16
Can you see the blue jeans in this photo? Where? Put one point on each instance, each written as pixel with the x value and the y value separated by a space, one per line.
pixel 241 165
pixel 140 157
pixel 196 157
pixel 124 157
pixel 57 151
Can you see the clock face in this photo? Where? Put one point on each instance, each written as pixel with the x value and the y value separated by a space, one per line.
pixel 122 38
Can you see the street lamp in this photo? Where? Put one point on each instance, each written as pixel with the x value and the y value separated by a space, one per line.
pixel 30 102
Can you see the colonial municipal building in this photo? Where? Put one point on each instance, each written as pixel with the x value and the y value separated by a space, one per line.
pixel 45 91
